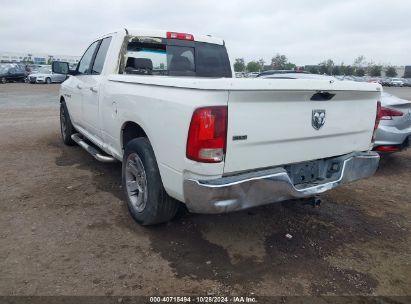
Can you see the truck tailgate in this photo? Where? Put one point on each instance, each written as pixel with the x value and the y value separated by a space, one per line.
pixel 268 128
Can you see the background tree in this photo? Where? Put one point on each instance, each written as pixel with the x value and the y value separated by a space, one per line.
pixel 253 66
pixel 347 70
pixel 278 62
pixel 314 70
pixel 375 70
pixel 261 62
pixel 290 66
pixel 390 71
pixel 359 62
pixel 239 65
pixel 360 72
pixel 323 68
pixel 50 60
pixel 326 67
pixel 336 70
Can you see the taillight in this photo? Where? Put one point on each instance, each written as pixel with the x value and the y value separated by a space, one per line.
pixel 387 113
pixel 377 120
pixel 387 148
pixel 207 135
pixel 180 36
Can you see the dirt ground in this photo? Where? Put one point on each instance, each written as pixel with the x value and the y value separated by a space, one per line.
pixel 65 228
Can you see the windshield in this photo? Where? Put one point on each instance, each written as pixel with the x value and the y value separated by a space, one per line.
pixel 158 56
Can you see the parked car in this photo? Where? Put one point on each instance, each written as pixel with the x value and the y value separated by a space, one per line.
pixel 166 105
pixel 394 131
pixel 397 82
pixel 387 82
pixel 407 82
pixel 45 75
pixel 11 73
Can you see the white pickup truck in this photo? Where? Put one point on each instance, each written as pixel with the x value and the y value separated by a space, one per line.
pixel 166 105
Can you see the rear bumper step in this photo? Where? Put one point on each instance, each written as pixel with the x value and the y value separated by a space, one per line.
pixel 92 150
pixel 252 189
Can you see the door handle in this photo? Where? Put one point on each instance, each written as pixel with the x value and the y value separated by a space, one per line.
pixel 93 89
pixel 79 87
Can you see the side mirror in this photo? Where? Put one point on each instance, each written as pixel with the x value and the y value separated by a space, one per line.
pixel 60 67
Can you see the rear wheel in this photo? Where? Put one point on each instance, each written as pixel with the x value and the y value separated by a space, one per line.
pixel 147 200
pixel 66 127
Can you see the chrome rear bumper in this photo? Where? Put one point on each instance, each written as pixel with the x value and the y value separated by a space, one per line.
pixel 252 189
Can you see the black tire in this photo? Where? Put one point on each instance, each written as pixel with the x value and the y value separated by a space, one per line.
pixel 66 127
pixel 3 80
pixel 158 207
pixel 48 80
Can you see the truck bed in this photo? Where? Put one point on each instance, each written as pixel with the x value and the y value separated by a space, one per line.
pixel 270 120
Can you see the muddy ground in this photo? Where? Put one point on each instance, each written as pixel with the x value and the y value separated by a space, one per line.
pixel 65 228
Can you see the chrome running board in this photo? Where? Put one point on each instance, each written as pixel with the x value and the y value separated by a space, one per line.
pixel 90 149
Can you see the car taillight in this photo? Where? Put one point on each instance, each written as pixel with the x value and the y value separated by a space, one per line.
pixel 387 148
pixel 387 113
pixel 377 120
pixel 180 36
pixel 207 135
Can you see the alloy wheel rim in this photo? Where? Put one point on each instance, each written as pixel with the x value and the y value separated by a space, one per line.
pixel 136 182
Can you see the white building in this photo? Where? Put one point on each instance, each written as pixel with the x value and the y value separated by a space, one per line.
pixel 36 58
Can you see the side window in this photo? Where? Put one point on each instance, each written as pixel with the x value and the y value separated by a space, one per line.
pixel 84 64
pixel 101 56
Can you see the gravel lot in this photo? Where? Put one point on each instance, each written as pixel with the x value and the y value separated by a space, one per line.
pixel 65 228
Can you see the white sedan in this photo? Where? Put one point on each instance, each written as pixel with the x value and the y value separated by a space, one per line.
pixel 45 75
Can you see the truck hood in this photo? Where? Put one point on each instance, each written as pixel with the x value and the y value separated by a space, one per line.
pixel 243 84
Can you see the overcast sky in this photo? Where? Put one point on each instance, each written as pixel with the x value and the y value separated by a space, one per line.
pixel 307 32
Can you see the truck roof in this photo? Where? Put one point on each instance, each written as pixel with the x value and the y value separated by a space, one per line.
pixel 163 34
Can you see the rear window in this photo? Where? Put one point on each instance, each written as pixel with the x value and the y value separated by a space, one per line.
pixel 171 57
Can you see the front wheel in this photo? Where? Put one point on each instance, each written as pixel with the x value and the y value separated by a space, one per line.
pixel 3 80
pixel 147 200
pixel 66 127
pixel 48 80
